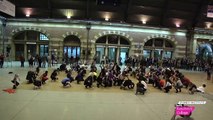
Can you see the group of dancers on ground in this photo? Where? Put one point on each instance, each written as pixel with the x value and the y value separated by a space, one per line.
pixel 111 75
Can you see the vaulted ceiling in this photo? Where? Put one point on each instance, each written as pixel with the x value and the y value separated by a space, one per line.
pixel 157 13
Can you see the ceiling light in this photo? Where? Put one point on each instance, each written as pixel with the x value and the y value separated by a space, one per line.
pixel 208 24
pixel 106 19
pixel 27 15
pixel 177 25
pixel 68 16
pixel 144 21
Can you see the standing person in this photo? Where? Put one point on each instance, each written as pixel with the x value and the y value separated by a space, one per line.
pixel 208 71
pixel 22 60
pixel 16 81
pixel 44 61
pixel 53 59
pixel 1 60
pixel 31 62
pixel 49 60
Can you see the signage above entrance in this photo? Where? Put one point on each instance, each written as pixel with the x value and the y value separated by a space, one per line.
pixel 31 43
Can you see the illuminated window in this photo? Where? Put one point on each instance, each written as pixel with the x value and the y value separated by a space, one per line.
pixel 43 37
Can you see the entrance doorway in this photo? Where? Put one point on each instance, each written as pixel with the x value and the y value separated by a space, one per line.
pixel 112 54
pixel 123 55
pixel 113 47
pixel 72 51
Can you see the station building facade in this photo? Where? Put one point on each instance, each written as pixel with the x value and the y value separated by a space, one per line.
pixel 100 40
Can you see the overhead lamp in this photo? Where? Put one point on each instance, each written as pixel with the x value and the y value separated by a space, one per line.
pixel 144 21
pixel 68 16
pixel 208 25
pixel 106 19
pixel 177 25
pixel 27 15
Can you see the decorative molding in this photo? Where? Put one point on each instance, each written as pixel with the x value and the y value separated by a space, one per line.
pixel 72 33
pixel 123 34
pixel 20 29
pixel 196 36
pixel 170 38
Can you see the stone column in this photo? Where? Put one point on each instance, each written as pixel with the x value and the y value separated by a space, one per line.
pixel 118 55
pixel 189 44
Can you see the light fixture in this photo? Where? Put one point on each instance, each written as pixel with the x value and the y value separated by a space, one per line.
pixel 106 19
pixel 68 16
pixel 208 25
pixel 27 15
pixel 177 25
pixel 144 21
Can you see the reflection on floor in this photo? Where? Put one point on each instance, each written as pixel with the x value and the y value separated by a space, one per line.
pixel 77 103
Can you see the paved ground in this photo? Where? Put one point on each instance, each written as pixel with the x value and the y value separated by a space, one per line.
pixel 77 103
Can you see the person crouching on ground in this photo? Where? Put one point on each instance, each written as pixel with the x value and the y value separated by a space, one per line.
pixel 44 77
pixel 178 85
pixel 54 75
pixel 66 82
pixel 141 87
pixel 168 85
pixel 16 81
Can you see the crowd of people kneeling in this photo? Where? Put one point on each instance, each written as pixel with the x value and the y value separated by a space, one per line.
pixel 112 75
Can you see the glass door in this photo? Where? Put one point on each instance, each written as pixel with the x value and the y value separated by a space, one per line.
pixel 19 51
pixel 43 50
pixel 146 54
pixel 72 51
pixel 112 54
pixel 31 50
pixel 123 55
pixel 100 54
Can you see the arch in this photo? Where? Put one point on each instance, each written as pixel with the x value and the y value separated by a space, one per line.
pixel 71 48
pixel 158 47
pixel 104 33
pixel 72 39
pixel 114 38
pixel 30 42
pixel 169 38
pixel 21 29
pixel 165 42
pixel 71 33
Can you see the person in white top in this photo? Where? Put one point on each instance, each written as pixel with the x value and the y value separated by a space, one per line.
pixel 201 88
pixel 168 85
pixel 194 88
pixel 178 85
pixel 145 85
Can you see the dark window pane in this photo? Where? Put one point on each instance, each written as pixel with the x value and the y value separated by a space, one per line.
pixel 149 43
pixel 158 42
pixel 113 39
pixel 32 35
pixel 72 39
pixel 19 36
pixel 168 44
pixel 101 40
pixel 123 41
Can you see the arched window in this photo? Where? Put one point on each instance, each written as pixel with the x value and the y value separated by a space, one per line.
pixel 158 48
pixel 112 48
pixel 33 41
pixel 71 47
